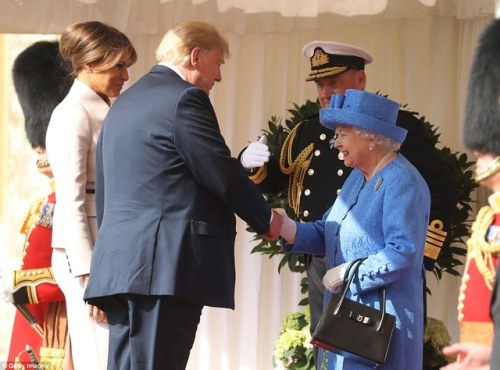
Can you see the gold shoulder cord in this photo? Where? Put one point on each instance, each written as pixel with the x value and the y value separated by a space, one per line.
pixel 32 215
pixel 479 248
pixel 295 168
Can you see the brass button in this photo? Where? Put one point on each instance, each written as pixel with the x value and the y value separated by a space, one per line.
pixel 322 137
pixel 306 213
pixel 340 172
pixel 307 192
pixel 310 172
pixel 317 153
pixel 338 191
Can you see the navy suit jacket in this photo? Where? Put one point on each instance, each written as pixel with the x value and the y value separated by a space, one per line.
pixel 167 189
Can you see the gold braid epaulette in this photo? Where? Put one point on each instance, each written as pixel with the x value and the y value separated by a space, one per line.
pixel 480 249
pixel 31 215
pixel 260 175
pixel 297 168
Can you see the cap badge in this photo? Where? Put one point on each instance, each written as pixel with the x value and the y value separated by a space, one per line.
pixel 319 58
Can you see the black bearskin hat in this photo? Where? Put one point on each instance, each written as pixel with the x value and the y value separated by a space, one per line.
pixel 41 80
pixel 482 112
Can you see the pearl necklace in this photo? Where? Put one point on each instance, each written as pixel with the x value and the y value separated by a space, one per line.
pixel 380 163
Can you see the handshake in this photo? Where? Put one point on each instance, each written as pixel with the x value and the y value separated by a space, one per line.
pixel 281 225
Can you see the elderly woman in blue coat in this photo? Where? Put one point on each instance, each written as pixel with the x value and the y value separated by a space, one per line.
pixel 381 214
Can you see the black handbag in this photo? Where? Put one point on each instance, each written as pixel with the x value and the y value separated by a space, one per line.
pixel 352 329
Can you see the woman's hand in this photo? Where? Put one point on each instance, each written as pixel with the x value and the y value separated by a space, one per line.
pixel 334 278
pixel 288 227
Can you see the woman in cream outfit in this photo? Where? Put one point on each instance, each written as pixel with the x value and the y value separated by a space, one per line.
pixel 100 56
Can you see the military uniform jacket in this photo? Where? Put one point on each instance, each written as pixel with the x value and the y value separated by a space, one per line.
pixel 36 293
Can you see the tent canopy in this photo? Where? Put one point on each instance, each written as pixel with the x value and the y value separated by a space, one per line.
pixel 240 16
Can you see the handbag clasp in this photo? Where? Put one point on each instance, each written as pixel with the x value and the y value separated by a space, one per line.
pixel 360 318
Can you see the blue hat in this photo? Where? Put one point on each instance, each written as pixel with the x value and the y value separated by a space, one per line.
pixel 365 110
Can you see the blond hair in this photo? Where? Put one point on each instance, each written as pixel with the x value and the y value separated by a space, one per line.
pixel 180 40
pixel 95 43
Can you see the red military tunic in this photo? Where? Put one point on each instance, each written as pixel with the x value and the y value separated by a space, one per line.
pixel 477 282
pixel 36 293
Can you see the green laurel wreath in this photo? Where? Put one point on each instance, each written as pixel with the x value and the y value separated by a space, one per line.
pixel 454 246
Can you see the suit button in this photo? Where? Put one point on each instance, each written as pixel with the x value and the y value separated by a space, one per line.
pixel 340 172
pixel 341 156
pixel 317 153
pixel 307 192
pixel 338 191
pixel 306 213
pixel 322 137
pixel 310 172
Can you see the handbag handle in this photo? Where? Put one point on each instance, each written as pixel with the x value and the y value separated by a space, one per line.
pixel 352 270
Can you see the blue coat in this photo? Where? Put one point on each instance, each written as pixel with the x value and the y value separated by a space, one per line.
pixel 167 190
pixel 385 220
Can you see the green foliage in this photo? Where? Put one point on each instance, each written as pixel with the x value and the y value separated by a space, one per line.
pixel 454 246
pixel 436 337
pixel 293 349
pixel 460 168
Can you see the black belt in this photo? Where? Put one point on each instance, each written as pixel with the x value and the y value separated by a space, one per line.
pixel 90 191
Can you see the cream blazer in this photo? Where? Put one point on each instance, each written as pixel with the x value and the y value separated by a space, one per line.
pixel 71 143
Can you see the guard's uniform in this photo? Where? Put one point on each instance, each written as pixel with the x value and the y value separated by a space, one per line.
pixel 483 248
pixel 40 320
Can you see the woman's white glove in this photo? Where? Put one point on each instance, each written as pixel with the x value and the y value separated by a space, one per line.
pixel 288 228
pixel 334 278
pixel 256 154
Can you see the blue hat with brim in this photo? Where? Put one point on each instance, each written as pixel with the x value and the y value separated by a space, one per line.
pixel 364 110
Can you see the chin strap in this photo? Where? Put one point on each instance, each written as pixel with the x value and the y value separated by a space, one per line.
pixel 493 168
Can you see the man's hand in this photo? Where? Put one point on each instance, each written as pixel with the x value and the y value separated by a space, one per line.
pixel 470 356
pixel 256 154
pixel 94 312
pixel 97 314
pixel 274 226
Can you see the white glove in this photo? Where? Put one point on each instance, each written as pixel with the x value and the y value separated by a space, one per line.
pixel 256 154
pixel 5 288
pixel 288 228
pixel 334 278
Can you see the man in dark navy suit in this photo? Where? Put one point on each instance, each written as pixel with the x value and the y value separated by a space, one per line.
pixel 167 190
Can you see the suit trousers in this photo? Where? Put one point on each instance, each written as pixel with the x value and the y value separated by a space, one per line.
pixel 89 339
pixel 150 332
